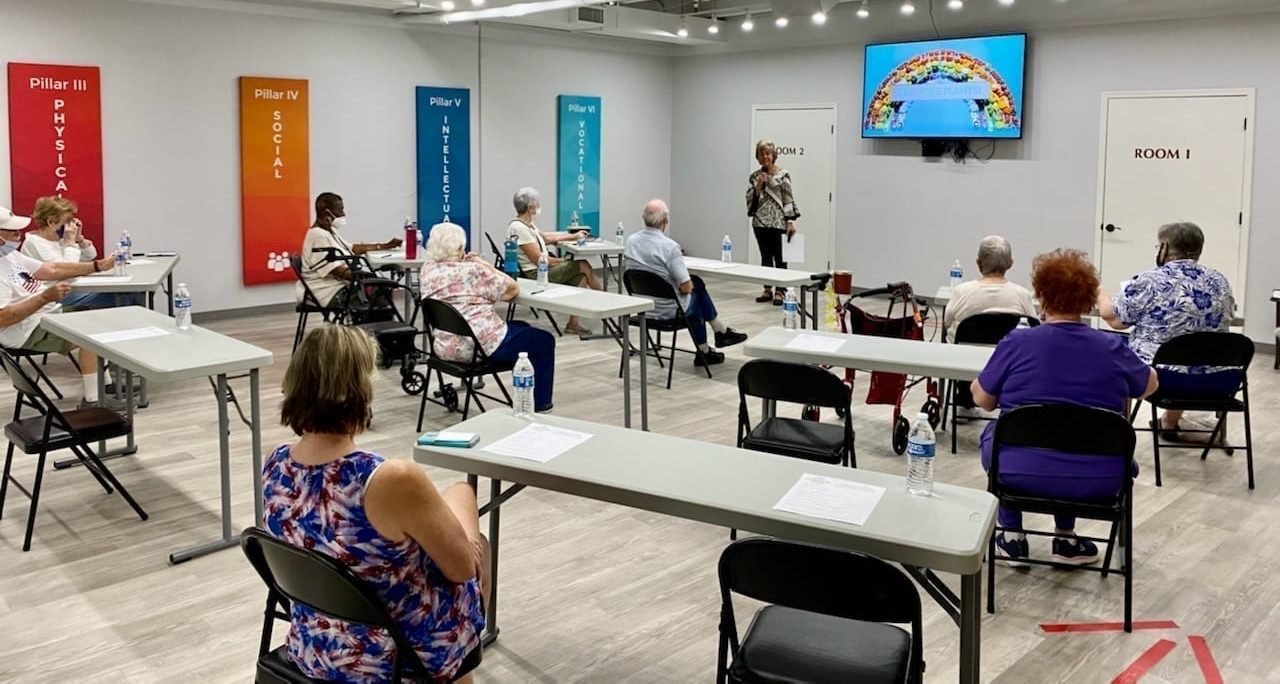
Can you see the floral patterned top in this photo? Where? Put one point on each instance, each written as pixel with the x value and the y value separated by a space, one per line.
pixel 321 508
pixel 472 288
pixel 1177 298
pixel 774 204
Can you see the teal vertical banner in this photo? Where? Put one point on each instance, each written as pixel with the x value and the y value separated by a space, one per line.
pixel 444 158
pixel 579 189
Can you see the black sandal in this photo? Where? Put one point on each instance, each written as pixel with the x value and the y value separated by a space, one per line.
pixel 777 297
pixel 768 294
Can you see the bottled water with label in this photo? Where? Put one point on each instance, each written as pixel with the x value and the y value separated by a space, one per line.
pixel 620 234
pixel 920 449
pixel 1022 322
pixel 790 310
pixel 522 382
pixel 126 245
pixel 956 274
pixel 182 306
pixel 121 258
pixel 509 260
pixel 726 249
pixel 544 269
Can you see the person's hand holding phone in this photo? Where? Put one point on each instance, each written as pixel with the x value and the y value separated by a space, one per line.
pixel 70 232
pixel 106 263
pixel 56 292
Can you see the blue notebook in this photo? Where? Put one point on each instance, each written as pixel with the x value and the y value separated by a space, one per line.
pixel 465 440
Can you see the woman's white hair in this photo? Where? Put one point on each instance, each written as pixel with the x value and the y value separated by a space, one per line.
pixel 445 242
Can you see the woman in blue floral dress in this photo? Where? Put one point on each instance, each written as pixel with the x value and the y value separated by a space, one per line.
pixel 418 548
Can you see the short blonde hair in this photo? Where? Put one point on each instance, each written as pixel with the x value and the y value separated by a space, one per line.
pixel 445 242
pixel 328 387
pixel 50 209
pixel 765 144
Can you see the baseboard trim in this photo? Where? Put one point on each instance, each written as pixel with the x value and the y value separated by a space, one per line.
pixel 225 314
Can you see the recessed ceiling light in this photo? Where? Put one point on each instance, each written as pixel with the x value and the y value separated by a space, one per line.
pixel 955 4
pixel 781 22
pixel 907 8
pixel 714 28
pixel 747 24
pixel 863 12
pixel 683 32
pixel 819 18
pixel 447 5
pixel 1006 3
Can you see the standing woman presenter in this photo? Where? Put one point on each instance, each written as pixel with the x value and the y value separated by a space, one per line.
pixel 773 211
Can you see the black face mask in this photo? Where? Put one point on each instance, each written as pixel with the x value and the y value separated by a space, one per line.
pixel 61 231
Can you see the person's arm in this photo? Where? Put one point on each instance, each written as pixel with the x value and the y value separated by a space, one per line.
pixel 64 270
pixel 1153 383
pixel 790 210
pixel 401 501
pixel 679 271
pixel 48 251
pixel 988 386
pixel 1107 310
pixel 13 313
pixel 556 238
pixel 532 251
pixel 981 397
pixel 88 252
pixel 366 247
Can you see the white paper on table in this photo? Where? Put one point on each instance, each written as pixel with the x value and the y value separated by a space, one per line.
pixel 793 249
pixel 713 265
pixel 815 343
pixel 538 442
pixel 130 334
pixel 140 262
pixel 555 293
pixel 103 279
pixel 830 498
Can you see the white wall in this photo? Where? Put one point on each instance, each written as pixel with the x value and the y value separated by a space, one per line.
pixel 901 217
pixel 171 116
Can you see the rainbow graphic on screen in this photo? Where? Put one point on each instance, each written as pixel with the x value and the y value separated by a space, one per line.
pixel 944 90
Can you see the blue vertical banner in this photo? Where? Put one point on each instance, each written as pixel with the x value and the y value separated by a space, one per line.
pixel 579 189
pixel 444 158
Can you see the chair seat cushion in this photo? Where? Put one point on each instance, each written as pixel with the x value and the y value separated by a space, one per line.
pixel 378 328
pixel 661 324
pixel 93 424
pixel 788 645
pixel 276 668
pixel 798 438
pixel 462 369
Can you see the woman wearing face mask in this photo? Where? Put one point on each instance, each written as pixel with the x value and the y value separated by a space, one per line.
pixel 772 207
pixel 328 279
pixel 533 242
pixel 57 236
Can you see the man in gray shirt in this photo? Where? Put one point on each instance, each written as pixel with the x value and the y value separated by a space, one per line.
pixel 651 250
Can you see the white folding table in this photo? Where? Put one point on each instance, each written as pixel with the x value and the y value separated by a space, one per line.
pixel 144 274
pixel 867 352
pixel 116 335
pixel 766 276
pixel 735 488
pixel 610 254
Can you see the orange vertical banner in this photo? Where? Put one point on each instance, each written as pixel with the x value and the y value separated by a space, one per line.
pixel 275 175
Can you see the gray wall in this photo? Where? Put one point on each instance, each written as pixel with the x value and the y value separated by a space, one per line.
pixel 901 217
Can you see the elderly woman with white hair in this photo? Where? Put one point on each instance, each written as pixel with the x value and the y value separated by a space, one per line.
pixel 992 293
pixel 533 242
pixel 473 287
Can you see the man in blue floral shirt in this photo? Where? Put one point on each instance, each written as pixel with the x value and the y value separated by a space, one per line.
pixel 1178 297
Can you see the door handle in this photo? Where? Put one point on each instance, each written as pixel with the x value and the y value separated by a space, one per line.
pixel 1110 228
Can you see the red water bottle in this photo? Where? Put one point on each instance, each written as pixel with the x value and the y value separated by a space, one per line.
pixel 410 239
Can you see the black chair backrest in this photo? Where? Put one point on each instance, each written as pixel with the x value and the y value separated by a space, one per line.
pixel 499 257
pixel 31 394
pixel 1064 428
pixel 22 383
pixel 797 383
pixel 308 297
pixel 990 328
pixel 819 580
pixel 1206 349
pixel 648 284
pixel 442 317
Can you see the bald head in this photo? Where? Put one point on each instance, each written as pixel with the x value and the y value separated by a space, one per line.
pixel 656 214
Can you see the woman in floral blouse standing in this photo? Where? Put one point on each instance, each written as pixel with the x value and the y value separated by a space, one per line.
pixel 772 208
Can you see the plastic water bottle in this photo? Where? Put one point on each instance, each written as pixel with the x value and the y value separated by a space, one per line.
pixel 126 244
pixel 790 310
pixel 957 275
pixel 920 449
pixel 522 382
pixel 726 249
pixel 620 234
pixel 544 268
pixel 1022 323
pixel 121 258
pixel 182 307
pixel 509 263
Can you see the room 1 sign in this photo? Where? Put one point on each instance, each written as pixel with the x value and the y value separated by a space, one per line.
pixel 1161 153
pixel 275 176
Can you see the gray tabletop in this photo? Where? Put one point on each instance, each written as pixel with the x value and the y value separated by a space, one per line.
pixel 143 277
pixel 580 301
pixel 747 273
pixel 721 485
pixel 178 355
pixel 865 352
pixel 592 248
pixel 395 258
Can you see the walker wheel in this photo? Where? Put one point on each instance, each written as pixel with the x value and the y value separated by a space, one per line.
pixel 935 412
pixel 450 397
pixel 901 429
pixel 412 382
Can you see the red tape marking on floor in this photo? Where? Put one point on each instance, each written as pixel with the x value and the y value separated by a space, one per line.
pixel 1204 656
pixel 1106 626
pixel 1145 662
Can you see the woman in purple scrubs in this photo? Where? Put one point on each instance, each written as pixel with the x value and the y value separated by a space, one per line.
pixel 1062 362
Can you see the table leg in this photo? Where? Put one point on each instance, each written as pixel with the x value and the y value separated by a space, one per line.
pixel 970 627
pixel 224 461
pixel 255 415
pixel 169 280
pixel 491 609
pixel 604 258
pixel 102 393
pixel 816 311
pixel 624 331
pixel 644 372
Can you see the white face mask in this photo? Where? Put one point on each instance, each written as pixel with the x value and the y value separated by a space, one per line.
pixel 339 223
pixel 538 211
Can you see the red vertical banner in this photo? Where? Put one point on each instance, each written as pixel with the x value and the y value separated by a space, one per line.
pixel 55 139
pixel 275 176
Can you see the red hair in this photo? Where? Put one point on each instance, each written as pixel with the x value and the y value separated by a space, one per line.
pixel 1065 282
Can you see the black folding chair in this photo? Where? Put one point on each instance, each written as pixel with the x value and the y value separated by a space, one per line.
pixel 441 317
pixel 984 329
pixel 310 304
pixel 647 284
pixel 796 383
pixel 54 430
pixel 1216 349
pixel 1069 429
pixel 19 354
pixel 499 262
pixel 325 585
pixel 827 617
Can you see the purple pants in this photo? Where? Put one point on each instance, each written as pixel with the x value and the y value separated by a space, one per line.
pixel 1045 473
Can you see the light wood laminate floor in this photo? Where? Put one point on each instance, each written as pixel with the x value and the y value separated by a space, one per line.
pixel 593 592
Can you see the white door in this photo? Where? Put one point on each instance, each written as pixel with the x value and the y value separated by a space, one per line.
pixel 1169 158
pixel 805 136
